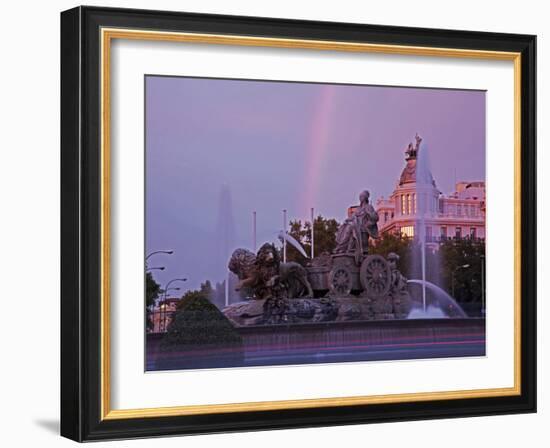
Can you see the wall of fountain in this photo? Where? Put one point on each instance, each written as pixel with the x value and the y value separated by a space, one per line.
pixel 350 335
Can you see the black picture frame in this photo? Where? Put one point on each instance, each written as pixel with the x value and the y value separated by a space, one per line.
pixel 81 414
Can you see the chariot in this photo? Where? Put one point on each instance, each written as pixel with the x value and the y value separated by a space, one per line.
pixel 343 275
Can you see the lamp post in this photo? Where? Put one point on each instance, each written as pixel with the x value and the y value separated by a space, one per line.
pixel 172 281
pixel 483 285
pixel 167 252
pixel 156 268
pixel 162 316
pixel 464 266
pixel 254 230
pixel 312 233
pixel 284 240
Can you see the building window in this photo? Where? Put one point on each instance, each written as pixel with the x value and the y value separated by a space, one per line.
pixel 403 205
pixel 443 232
pixel 458 233
pixel 385 216
pixel 414 202
pixel 409 204
pixel 407 231
pixel 473 210
pixel 459 210
pixel 428 233
pixel 473 233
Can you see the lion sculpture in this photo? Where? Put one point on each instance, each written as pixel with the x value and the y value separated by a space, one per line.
pixel 266 276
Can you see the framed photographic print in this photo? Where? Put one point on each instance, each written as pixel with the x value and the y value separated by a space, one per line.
pixel 273 223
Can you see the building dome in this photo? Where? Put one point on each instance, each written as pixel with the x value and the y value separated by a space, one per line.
pixel 408 175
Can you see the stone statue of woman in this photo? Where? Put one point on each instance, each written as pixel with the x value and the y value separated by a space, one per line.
pixel 353 234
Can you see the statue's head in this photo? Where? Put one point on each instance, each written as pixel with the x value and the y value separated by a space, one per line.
pixel 393 259
pixel 268 255
pixel 241 262
pixel 364 196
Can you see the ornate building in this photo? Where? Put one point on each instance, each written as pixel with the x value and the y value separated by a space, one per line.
pixel 161 315
pixel 460 214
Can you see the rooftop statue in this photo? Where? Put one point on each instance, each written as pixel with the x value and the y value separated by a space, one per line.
pixel 412 151
pixel 418 140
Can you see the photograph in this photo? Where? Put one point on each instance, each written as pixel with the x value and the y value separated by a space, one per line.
pixel 273 222
pixel 293 223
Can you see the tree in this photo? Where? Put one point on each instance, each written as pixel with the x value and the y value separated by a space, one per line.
pixel 206 291
pixel 453 265
pixel 198 323
pixel 152 292
pixel 324 237
pixel 400 244
pixel 462 268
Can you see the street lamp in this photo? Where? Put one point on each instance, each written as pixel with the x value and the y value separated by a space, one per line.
pixel 162 315
pixel 483 285
pixel 172 281
pixel 464 266
pixel 167 252
pixel 170 289
pixel 284 231
pixel 254 230
pixel 312 233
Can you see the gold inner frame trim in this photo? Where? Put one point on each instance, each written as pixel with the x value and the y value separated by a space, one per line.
pixel 107 35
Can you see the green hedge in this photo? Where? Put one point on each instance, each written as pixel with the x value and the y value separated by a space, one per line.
pixel 197 322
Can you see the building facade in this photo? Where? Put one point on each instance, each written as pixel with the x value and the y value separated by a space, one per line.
pixel 416 197
pixel 162 314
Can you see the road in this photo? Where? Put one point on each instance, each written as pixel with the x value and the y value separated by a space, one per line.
pixel 452 346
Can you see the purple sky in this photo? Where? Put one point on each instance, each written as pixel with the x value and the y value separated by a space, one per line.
pixel 276 145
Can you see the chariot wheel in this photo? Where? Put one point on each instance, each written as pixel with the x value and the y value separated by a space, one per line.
pixel 340 281
pixel 375 275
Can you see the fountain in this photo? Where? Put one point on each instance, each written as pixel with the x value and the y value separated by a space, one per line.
pixel 431 312
pixel 349 284
pixel 443 304
pixel 425 207
pixel 424 204
pixel 225 236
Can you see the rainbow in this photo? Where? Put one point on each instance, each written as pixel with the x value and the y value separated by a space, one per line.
pixel 316 149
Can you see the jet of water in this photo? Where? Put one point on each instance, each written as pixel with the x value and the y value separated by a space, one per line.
pixel 225 234
pixel 423 190
pixel 431 312
pixel 442 300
